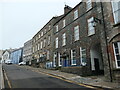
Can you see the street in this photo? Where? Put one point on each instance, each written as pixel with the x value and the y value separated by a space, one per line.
pixel 24 78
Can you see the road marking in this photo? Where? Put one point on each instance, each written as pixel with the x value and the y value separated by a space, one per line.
pixel 88 86
pixel 7 80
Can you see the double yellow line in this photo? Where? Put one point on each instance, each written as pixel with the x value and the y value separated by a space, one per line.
pixel 8 82
pixel 70 81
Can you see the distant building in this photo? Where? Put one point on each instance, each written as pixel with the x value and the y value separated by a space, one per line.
pixel 27 52
pixel 1 52
pixel 5 55
pixel 16 55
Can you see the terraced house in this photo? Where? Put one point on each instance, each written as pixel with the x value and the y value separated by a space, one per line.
pixel 42 45
pixel 77 42
pixel 82 40
pixel 85 40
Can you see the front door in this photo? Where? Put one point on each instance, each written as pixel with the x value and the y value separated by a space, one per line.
pixel 97 67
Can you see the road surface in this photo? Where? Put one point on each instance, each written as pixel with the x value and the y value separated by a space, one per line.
pixel 18 77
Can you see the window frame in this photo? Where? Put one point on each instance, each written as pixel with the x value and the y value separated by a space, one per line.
pixel 49 38
pixel 91 28
pixel 56 42
pixel 38 48
pixel 76 33
pixel 116 18
pixel 44 45
pixel 59 59
pixel 42 33
pixel 56 28
pixel 116 61
pixel 76 14
pixel 63 39
pixel 64 23
pixel 72 58
pixel 41 44
pixel 81 55
pixel 88 4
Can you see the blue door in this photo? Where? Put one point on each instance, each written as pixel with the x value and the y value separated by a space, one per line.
pixel 65 63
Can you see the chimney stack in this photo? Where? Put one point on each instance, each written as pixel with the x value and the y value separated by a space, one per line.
pixel 67 9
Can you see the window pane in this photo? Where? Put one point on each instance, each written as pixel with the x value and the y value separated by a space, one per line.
pixel 118 57
pixel 91 29
pixel 57 28
pixel 88 4
pixel 117 53
pixel 76 33
pixel 76 14
pixel 56 42
pixel 116 11
pixel 74 61
pixel 118 62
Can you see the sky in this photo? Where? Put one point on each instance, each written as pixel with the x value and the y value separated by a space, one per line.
pixel 20 20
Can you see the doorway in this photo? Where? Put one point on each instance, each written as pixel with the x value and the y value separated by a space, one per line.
pixel 96 60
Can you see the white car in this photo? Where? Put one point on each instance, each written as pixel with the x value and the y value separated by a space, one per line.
pixel 8 62
pixel 22 63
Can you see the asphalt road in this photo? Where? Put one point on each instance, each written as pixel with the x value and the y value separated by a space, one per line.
pixel 23 78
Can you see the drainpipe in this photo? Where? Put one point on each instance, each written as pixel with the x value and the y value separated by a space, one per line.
pixel 105 35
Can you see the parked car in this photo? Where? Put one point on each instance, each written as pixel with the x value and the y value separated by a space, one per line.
pixel 8 62
pixel 22 63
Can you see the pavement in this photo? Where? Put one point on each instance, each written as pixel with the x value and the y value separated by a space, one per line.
pixel 1 78
pixel 97 81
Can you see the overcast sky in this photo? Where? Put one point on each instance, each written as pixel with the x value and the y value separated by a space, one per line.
pixel 20 20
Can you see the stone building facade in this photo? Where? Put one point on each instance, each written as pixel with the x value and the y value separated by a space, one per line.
pixel 42 45
pixel 77 42
pixel 111 18
pixel 27 52
pixel 85 40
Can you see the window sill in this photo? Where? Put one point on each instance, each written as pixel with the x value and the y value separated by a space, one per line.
pixel 91 35
pixel 115 25
pixel 63 45
pixel 73 64
pixel 76 40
